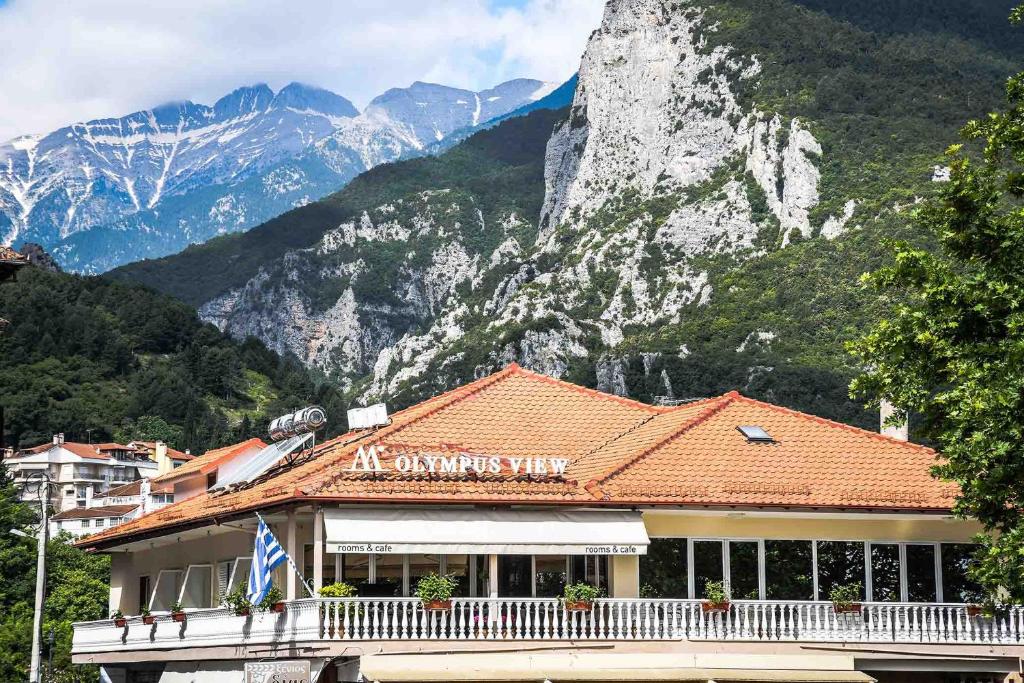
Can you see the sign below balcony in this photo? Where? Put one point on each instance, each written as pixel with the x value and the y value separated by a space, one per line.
pixel 293 671
pixel 392 458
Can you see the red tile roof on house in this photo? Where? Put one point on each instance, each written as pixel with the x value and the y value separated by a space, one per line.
pixel 89 513
pixel 135 489
pixel 172 453
pixel 620 452
pixel 209 461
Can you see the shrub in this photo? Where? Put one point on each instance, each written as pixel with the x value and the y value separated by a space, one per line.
pixel 715 592
pixel 845 594
pixel 338 590
pixel 433 587
pixel 580 592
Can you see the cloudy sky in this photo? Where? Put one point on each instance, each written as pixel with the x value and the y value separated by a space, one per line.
pixel 63 61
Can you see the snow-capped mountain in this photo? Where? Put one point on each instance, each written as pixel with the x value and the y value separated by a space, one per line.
pixel 106 192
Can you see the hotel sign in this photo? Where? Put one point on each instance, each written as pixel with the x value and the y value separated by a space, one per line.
pixel 379 458
pixel 296 671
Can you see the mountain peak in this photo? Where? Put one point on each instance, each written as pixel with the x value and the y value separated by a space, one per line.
pixel 309 97
pixel 244 100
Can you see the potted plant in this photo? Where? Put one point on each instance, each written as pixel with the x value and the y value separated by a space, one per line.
pixel 975 610
pixel 435 590
pixel 177 612
pixel 338 590
pixel 716 598
pixel 273 602
pixel 845 598
pixel 238 603
pixel 119 619
pixel 147 617
pixel 579 597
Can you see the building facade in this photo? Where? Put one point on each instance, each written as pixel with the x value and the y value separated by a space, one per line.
pixel 518 484
pixel 114 507
pixel 79 472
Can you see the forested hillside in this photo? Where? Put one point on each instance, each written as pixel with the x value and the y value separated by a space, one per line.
pixel 120 361
pixel 726 173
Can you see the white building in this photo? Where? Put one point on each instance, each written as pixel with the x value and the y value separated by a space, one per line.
pixel 117 505
pixel 79 471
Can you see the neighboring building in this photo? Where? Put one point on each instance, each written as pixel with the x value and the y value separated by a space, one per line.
pixel 80 472
pixel 117 505
pixel 165 457
pixel 517 484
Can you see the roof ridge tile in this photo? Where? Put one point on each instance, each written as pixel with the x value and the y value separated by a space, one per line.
pixel 718 404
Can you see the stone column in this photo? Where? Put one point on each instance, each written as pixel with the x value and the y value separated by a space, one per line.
pixel 292 548
pixel 624 581
pixel 318 549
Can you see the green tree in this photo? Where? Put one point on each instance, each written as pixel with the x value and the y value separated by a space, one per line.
pixel 149 428
pixel 952 350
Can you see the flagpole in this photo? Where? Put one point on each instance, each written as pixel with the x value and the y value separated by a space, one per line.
pixel 291 563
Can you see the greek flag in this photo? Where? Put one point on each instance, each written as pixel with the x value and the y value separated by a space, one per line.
pixel 266 556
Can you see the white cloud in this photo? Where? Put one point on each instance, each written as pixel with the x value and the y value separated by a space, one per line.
pixel 66 61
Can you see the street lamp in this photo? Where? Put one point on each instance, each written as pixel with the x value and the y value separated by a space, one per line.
pixel 42 487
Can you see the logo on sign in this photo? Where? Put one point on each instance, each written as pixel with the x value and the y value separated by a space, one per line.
pixel 374 458
pixel 277 672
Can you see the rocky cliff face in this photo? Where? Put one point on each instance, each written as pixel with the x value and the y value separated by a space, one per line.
pixel 656 166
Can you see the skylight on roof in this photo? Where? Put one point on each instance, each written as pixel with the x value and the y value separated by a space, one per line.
pixel 756 434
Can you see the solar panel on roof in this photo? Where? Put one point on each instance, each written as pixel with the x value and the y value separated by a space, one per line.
pixel 755 433
pixel 263 461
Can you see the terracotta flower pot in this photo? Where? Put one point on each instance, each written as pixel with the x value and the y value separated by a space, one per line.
pixel 243 612
pixel 278 607
pixel 578 606
pixel 178 617
pixel 437 605
pixel 709 607
pixel 975 610
pixel 848 608
pixel 148 620
pixel 120 622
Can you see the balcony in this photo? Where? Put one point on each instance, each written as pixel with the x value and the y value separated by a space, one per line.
pixel 513 619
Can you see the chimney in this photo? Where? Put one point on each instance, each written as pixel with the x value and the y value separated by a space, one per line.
pixel 60 439
pixel 900 431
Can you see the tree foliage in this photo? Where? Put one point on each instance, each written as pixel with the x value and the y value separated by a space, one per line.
pixel 97 359
pixel 952 350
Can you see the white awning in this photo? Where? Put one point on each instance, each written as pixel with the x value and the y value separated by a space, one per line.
pixel 485 531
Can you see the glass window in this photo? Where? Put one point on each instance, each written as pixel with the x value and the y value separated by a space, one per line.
pixel 592 569
pixel 840 563
pixel 198 587
pixel 957 586
pixel 552 573
pixel 85 524
pixel 458 566
pixel 663 571
pixel 743 571
pixel 240 570
pixel 514 578
pixel 168 586
pixel 144 590
pixel 885 572
pixel 389 570
pixel 326 568
pixel 355 568
pixel 420 566
pixel 707 565
pixel 921 573
pixel 789 570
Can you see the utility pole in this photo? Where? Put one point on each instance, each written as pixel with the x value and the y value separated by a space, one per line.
pixel 37 618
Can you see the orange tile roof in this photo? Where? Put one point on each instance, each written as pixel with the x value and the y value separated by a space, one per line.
pixel 135 489
pixel 621 452
pixel 99 511
pixel 172 453
pixel 209 461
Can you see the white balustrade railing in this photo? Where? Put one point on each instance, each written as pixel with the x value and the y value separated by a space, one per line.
pixel 543 619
